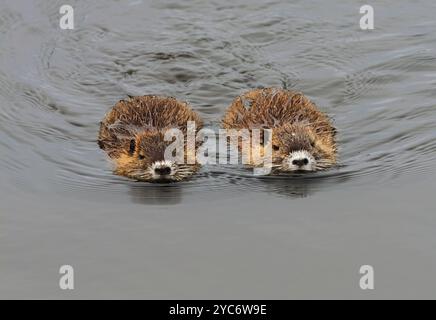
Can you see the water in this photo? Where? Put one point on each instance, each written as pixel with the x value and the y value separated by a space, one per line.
pixel 224 234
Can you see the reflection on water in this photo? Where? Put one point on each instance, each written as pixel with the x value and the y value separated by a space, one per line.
pixel 301 185
pixel 156 194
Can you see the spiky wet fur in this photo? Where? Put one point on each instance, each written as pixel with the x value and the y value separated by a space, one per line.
pixel 132 134
pixel 296 122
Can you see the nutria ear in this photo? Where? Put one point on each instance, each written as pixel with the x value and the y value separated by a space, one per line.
pixel 132 147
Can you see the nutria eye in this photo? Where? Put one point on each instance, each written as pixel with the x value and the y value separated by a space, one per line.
pixel 275 148
pixel 132 147
pixel 141 157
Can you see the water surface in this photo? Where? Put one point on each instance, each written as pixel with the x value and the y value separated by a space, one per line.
pixel 225 234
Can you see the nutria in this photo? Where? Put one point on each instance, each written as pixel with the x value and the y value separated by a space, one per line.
pixel 132 134
pixel 303 138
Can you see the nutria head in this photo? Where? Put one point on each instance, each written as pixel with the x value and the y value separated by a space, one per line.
pixel 144 159
pixel 297 147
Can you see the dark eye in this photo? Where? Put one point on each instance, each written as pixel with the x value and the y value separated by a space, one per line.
pixel 275 147
pixel 312 144
pixel 132 147
pixel 141 157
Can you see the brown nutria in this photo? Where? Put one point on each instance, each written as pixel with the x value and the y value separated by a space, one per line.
pixel 133 135
pixel 303 138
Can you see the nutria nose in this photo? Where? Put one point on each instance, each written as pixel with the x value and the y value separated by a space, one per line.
pixel 300 162
pixel 163 171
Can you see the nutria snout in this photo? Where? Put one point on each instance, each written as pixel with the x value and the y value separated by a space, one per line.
pixel 303 138
pixel 133 136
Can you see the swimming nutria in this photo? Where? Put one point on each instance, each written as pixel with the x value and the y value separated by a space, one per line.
pixel 303 139
pixel 132 134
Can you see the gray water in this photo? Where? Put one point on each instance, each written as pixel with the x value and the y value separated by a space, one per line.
pixel 225 234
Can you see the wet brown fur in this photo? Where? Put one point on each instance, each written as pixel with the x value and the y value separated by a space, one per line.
pixel 296 122
pixel 141 122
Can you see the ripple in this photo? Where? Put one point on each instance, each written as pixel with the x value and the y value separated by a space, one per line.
pixel 9 20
